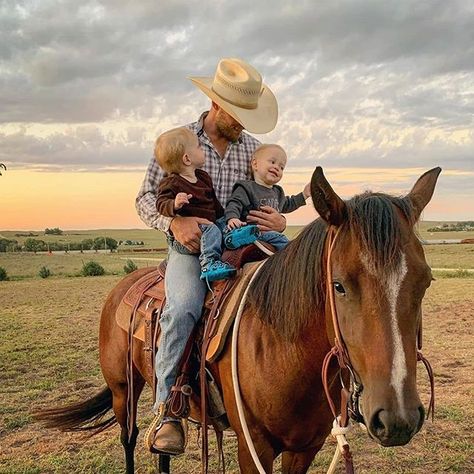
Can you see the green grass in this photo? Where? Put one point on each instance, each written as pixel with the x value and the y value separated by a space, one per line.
pixel 49 356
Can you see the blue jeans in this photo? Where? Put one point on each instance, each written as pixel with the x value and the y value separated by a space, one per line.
pixel 185 294
pixel 279 241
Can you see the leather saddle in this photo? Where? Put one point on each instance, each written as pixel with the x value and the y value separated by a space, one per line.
pixel 144 301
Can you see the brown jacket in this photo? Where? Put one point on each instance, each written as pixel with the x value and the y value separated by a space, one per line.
pixel 203 204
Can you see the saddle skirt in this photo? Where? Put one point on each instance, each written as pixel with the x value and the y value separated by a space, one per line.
pixel 145 300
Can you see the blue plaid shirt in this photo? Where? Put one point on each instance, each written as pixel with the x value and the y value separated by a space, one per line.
pixel 235 165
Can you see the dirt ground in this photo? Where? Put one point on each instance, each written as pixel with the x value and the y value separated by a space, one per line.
pixel 48 356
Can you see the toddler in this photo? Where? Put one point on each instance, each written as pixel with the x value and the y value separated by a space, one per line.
pixel 188 191
pixel 268 163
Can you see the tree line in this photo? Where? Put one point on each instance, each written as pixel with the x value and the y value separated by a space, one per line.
pixel 38 245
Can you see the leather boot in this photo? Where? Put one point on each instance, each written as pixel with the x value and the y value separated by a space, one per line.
pixel 165 437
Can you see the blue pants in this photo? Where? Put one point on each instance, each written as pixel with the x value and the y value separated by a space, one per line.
pixel 185 294
pixel 279 241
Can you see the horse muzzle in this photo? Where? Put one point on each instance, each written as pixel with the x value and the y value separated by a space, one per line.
pixel 390 428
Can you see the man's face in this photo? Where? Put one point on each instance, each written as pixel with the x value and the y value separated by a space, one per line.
pixel 228 127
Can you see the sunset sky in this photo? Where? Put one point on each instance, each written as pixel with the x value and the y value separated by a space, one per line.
pixel 376 92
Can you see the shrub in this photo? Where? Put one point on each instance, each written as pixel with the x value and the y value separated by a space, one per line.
pixel 44 272
pixel 3 274
pixel 92 268
pixel 129 266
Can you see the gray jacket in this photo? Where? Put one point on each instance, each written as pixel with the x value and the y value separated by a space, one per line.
pixel 248 196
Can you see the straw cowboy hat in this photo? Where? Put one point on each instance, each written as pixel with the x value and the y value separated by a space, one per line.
pixel 237 87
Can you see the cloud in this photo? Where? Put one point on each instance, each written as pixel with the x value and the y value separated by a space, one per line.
pixel 360 83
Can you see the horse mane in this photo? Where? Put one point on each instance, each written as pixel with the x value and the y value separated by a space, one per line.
pixel 290 288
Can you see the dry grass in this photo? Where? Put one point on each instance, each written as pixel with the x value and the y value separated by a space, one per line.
pixel 48 356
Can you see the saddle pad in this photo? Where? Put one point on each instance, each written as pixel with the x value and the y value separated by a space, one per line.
pixel 228 312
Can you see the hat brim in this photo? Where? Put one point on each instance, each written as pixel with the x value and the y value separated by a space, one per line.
pixel 262 119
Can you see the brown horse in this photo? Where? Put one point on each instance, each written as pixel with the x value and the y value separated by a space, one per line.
pixel 379 277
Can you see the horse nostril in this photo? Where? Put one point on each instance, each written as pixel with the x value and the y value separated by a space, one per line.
pixel 377 426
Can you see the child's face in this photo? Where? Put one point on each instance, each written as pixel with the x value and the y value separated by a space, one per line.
pixel 194 153
pixel 268 165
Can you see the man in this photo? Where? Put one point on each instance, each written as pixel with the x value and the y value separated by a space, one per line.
pixel 239 101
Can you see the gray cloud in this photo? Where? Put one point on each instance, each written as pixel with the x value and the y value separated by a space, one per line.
pixel 359 83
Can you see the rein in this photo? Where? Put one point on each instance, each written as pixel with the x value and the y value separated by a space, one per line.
pixel 350 398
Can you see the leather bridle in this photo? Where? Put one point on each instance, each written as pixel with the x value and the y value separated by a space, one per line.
pixel 350 397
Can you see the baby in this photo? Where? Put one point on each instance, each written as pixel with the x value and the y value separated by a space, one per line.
pixel 188 191
pixel 268 163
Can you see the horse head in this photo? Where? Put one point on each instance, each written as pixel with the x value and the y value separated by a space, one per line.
pixel 379 276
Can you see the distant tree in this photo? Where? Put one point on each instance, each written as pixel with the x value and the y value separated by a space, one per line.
pixel 101 243
pixel 87 244
pixel 55 231
pixel 34 245
pixel 7 245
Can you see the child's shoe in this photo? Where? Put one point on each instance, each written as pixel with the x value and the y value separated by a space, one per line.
pixel 247 234
pixel 217 270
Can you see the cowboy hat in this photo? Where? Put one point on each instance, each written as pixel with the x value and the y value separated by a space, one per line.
pixel 237 88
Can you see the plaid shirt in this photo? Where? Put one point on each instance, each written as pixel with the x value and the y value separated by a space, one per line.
pixel 224 173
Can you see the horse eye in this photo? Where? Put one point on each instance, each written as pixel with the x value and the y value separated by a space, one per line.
pixel 339 288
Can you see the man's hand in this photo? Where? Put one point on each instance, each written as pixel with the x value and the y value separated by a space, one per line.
pixel 267 218
pixel 235 223
pixel 187 232
pixel 181 199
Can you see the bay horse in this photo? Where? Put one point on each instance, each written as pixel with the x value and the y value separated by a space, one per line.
pixel 379 276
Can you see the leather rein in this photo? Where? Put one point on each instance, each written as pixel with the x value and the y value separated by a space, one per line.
pixel 350 397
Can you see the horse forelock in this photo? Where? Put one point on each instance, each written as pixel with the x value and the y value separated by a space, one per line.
pixel 374 221
pixel 289 290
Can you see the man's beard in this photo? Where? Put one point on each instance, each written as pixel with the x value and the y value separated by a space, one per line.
pixel 227 131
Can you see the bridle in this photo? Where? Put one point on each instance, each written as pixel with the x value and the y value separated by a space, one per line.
pixel 350 397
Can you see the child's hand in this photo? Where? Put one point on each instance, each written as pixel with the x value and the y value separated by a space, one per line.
pixel 307 191
pixel 235 223
pixel 181 199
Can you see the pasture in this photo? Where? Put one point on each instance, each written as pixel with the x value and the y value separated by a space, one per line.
pixel 49 356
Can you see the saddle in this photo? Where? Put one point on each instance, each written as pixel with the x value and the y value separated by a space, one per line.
pixel 147 297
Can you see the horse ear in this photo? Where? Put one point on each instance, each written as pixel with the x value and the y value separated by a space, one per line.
pixel 423 190
pixel 328 204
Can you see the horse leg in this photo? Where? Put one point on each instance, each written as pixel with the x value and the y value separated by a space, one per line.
pixel 163 464
pixel 119 392
pixel 298 463
pixel 265 454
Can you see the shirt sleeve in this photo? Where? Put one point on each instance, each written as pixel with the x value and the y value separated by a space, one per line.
pixel 145 202
pixel 165 199
pixel 239 200
pixel 291 203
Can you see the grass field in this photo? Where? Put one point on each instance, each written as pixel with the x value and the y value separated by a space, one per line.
pixel 49 356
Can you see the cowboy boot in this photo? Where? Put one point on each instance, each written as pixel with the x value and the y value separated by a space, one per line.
pixel 165 436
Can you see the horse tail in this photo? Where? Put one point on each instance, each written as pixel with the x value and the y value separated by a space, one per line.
pixel 82 416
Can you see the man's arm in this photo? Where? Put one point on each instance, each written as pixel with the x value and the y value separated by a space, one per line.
pixel 145 202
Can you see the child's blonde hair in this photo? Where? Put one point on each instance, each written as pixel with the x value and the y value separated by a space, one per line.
pixel 266 146
pixel 170 148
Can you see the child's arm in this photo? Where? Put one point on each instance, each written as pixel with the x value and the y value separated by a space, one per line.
pixel 238 201
pixel 165 201
pixel 291 203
